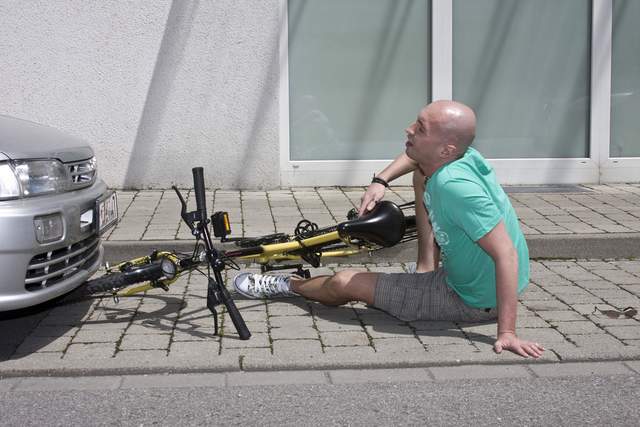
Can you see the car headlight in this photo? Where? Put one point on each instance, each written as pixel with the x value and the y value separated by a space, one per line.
pixel 9 186
pixel 33 178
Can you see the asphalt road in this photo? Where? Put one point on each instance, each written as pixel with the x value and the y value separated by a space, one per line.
pixel 589 400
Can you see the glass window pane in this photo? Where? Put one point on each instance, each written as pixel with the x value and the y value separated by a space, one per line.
pixel 524 66
pixel 625 80
pixel 358 75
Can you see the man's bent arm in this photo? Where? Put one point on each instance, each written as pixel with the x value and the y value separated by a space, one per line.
pixel 499 246
pixel 402 165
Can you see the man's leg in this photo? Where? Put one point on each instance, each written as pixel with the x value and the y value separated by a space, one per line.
pixel 428 252
pixel 342 287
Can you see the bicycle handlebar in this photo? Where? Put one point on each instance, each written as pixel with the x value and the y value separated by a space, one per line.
pixel 198 187
pixel 216 293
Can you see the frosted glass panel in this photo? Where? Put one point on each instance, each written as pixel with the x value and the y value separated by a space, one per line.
pixel 625 80
pixel 358 75
pixel 524 66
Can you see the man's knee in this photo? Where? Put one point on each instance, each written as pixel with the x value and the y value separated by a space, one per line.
pixel 353 285
pixel 339 284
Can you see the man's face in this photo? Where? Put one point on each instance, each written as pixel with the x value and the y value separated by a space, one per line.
pixel 423 142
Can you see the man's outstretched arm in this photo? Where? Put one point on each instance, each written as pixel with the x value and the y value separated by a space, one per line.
pixel 400 166
pixel 499 246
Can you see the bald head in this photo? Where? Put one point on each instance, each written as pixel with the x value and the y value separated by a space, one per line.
pixel 455 122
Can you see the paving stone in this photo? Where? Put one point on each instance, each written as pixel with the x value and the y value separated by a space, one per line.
pixel 543 336
pixel 634 289
pixel 194 348
pixel 598 341
pixel 449 373
pixel 389 331
pixel 196 334
pixel 231 340
pixel 429 325
pixel 257 352
pixel 358 376
pixel 294 332
pixel 551 305
pixel 590 308
pixel 345 339
pixel 33 361
pixel 577 328
pixel 432 338
pixel 338 325
pixel 602 320
pixel 90 352
pixel 296 347
pixel 97 336
pixel 611 294
pixel 350 353
pixel 625 332
pixel 633 364
pixel 618 277
pixel 139 358
pixel 564 290
pixel 473 328
pixel 297 308
pixel 145 342
pixel 289 321
pixel 580 369
pixel 531 322
pixel 560 315
pixel 43 344
pixel 394 345
pixel 248 305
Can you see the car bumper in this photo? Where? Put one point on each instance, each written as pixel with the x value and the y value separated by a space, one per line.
pixel 32 272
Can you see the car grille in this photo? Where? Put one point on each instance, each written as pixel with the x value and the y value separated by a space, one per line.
pixel 82 173
pixel 48 268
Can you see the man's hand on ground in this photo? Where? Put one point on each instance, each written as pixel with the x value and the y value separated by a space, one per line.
pixel 374 193
pixel 509 341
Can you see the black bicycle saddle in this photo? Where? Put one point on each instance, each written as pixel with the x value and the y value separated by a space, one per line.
pixel 384 225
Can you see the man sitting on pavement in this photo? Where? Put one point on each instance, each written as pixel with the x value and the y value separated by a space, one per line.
pixel 463 217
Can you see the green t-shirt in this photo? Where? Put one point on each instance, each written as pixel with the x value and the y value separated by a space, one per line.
pixel 465 202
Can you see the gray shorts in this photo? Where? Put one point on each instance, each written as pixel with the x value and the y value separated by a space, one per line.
pixel 425 296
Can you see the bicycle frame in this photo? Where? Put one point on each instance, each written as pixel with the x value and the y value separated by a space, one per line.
pixel 384 226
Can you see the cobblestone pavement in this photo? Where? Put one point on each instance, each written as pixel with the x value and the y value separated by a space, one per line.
pixel 564 309
pixel 155 215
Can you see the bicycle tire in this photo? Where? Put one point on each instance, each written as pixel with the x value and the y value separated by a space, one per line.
pixel 106 283
pixel 115 281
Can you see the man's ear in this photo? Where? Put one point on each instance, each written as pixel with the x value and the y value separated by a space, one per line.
pixel 449 150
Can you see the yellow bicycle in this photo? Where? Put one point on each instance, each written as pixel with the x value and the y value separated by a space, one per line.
pixel 386 225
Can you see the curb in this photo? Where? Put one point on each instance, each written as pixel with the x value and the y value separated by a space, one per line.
pixel 180 367
pixel 581 246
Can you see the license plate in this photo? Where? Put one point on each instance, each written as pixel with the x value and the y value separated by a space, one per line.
pixel 107 212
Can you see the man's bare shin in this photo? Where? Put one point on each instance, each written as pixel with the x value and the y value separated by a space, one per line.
pixel 338 289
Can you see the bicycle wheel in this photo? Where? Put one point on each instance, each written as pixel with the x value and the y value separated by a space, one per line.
pixel 131 275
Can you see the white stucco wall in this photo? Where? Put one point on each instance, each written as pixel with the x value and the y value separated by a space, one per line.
pixel 156 86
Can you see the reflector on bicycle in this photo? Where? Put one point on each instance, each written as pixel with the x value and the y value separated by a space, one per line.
pixel 221 224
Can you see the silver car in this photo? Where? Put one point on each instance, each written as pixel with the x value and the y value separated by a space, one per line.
pixel 53 209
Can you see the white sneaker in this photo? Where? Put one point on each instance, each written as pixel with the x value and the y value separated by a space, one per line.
pixel 253 285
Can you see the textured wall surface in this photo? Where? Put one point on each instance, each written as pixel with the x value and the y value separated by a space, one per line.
pixel 156 86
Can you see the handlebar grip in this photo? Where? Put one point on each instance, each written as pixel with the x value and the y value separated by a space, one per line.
pixel 198 186
pixel 237 319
